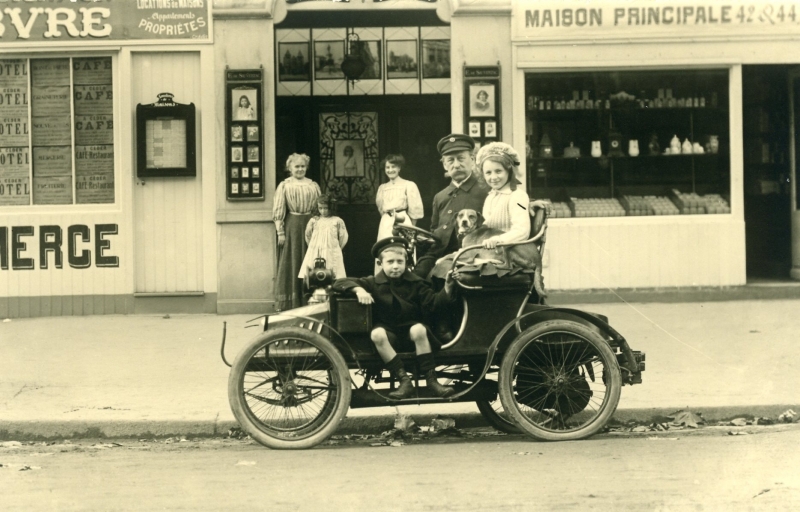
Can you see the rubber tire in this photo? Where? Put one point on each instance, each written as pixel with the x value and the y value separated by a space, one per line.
pixel 609 360
pixel 490 415
pixel 251 425
pixel 495 420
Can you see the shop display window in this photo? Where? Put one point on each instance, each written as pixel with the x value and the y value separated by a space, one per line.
pixel 629 143
pixel 56 131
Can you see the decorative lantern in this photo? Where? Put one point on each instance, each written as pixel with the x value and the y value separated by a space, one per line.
pixel 353 65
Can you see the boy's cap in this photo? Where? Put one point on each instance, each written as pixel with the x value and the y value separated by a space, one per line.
pixel 392 241
pixel 455 142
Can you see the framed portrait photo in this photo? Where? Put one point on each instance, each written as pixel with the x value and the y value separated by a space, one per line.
pixel 244 104
pixel 245 172
pixel 293 62
pixel 234 188
pixel 256 172
pixel 348 158
pixel 474 129
pixel 234 171
pixel 252 134
pixel 490 129
pixel 253 154
pixel 401 59
pixel 237 154
pixel 237 133
pixel 256 188
pixel 245 188
pixel 481 100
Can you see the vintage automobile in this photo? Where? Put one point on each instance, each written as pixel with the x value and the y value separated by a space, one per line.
pixel 553 373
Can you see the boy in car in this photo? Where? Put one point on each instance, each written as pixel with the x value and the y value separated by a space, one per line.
pixel 401 300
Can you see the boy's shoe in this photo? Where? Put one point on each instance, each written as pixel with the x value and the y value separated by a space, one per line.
pixel 436 388
pixel 405 389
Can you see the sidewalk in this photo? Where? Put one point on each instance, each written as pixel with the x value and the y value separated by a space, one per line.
pixel 132 376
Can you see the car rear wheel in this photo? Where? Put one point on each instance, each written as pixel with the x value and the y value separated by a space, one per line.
pixel 559 381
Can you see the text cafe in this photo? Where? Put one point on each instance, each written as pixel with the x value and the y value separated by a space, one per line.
pixel 81 230
pixel 662 135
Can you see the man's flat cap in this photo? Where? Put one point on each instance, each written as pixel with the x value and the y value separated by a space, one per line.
pixel 455 142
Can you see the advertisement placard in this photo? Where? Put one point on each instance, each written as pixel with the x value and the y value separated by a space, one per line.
pixel 94 130
pixel 93 99
pixel 94 159
pixel 52 189
pixel 50 101
pixel 51 131
pixel 52 161
pixel 97 187
pixel 59 21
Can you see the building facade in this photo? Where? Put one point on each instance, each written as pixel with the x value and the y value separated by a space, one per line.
pixel 105 210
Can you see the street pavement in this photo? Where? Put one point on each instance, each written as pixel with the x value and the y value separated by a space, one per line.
pixel 129 376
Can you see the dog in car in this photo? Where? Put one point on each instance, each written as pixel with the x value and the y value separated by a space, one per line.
pixel 471 231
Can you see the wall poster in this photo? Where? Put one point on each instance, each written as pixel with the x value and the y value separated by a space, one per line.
pixel 244 121
pixel 48 108
pixel 482 103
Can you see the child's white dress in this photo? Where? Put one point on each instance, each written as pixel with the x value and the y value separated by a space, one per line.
pixel 326 236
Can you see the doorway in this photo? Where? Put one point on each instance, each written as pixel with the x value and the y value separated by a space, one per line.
pixel 767 166
pixel 409 125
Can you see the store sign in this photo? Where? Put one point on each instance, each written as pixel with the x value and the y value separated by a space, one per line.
pixel 22 247
pixel 26 21
pixel 535 19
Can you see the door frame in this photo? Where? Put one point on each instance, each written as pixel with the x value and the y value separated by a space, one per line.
pixel 793 78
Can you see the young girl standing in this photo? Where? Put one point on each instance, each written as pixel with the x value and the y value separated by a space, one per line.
pixel 326 235
pixel 506 206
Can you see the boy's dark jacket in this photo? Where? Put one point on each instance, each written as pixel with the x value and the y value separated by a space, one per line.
pixel 399 302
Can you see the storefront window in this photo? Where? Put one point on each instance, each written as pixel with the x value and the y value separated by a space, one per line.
pixel 629 143
pixel 56 131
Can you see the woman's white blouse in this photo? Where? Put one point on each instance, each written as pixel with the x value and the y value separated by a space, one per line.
pixel 400 195
pixel 507 210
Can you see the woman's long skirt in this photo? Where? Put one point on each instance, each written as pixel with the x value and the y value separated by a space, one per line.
pixel 288 287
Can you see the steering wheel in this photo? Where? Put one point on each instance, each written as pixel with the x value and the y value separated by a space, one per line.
pixel 415 233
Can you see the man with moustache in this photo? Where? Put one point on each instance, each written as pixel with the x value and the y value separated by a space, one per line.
pixel 464 191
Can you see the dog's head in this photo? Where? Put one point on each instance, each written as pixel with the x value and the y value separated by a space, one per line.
pixel 468 220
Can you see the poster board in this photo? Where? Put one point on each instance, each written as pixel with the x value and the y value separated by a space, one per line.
pixel 165 139
pixel 244 135
pixel 482 103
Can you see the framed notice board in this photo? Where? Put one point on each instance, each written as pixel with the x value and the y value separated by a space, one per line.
pixel 244 135
pixel 482 103
pixel 165 138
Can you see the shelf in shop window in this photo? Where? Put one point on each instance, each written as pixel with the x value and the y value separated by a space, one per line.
pixel 571 112
pixel 535 160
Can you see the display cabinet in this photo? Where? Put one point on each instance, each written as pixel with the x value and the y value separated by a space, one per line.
pixel 629 143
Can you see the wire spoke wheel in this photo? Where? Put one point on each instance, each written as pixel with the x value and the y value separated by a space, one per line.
pixel 559 380
pixel 290 388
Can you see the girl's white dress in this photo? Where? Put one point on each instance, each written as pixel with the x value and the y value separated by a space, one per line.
pixel 402 195
pixel 507 210
pixel 326 236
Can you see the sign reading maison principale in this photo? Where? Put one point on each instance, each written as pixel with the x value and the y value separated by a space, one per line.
pixel 58 21
pixel 584 19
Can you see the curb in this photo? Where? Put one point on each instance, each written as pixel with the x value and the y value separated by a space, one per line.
pixel 47 430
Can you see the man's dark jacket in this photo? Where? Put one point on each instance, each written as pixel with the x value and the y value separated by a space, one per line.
pixel 400 302
pixel 446 205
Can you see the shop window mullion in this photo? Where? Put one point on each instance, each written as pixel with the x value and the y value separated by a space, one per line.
pixel 72 126
pixel 30 134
